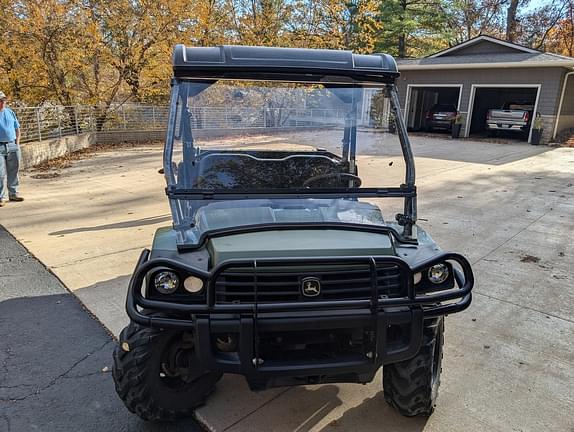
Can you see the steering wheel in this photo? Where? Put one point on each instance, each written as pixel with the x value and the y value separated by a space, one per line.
pixel 316 178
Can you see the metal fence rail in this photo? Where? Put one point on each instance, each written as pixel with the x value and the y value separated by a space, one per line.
pixel 239 118
pixel 44 123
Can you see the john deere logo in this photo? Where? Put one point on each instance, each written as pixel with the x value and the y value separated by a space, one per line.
pixel 311 287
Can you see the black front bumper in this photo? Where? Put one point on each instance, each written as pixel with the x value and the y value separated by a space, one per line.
pixel 252 323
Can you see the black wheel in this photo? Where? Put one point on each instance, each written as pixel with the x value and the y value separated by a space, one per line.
pixel 156 373
pixel 411 386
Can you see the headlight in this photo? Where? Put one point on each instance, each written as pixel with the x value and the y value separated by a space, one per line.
pixel 193 284
pixel 417 277
pixel 166 282
pixel 438 273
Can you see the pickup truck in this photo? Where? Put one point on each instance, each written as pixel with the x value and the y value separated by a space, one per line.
pixel 513 116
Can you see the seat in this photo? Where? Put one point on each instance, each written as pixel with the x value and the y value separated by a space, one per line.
pixel 243 171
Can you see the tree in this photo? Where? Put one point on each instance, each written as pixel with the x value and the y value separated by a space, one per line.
pixel 411 27
pixel 560 38
pixel 363 26
pixel 535 26
pixel 512 19
pixel 467 19
pixel 260 22
pixel 48 30
pixel 106 53
pixel 136 32
pixel 21 75
pixel 506 19
pixel 335 24
pixel 319 24
pixel 208 23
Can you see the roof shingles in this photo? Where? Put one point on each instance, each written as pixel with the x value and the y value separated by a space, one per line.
pixel 486 59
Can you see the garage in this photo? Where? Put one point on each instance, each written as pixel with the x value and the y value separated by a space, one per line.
pixel 422 99
pixel 485 98
pixel 485 73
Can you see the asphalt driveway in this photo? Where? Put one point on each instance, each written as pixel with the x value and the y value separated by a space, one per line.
pixel 509 359
pixel 55 357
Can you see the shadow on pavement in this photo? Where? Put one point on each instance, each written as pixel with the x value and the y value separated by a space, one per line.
pixel 374 414
pixel 303 409
pixel 377 143
pixel 106 300
pixel 127 224
pixel 55 363
pixel 306 408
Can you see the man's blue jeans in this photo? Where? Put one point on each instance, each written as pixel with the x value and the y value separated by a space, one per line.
pixel 9 165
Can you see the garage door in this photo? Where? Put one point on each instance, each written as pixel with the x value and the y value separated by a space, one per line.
pixel 422 99
pixel 487 98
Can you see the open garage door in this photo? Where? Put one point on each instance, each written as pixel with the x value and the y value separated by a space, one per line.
pixel 485 98
pixel 421 100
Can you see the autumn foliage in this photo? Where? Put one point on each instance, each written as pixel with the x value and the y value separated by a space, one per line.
pixel 102 53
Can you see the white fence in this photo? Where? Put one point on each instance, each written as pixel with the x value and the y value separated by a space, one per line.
pixel 237 118
pixel 44 123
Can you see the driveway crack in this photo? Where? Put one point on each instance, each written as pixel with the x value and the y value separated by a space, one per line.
pixel 16 386
pixel 547 314
pixel 281 393
pixel 73 262
pixel 512 237
pixel 5 370
pixel 8 425
pixel 59 377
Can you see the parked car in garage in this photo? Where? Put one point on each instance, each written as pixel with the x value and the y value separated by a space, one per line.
pixel 513 116
pixel 441 116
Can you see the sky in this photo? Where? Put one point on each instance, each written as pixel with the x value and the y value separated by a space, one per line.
pixel 534 4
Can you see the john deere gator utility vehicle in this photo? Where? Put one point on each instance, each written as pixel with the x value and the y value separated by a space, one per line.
pixel 285 262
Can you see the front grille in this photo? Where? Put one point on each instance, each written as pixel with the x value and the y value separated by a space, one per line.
pixel 283 283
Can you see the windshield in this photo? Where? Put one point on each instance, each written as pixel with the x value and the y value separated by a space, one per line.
pixel 243 153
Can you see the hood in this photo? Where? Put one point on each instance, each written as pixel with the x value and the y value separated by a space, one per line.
pixel 299 243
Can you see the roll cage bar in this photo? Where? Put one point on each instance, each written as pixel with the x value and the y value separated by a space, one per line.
pixel 205 66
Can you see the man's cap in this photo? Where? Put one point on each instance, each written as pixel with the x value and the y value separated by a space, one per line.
pixel 2 95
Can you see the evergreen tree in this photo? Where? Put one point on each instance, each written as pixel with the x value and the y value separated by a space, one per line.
pixel 411 27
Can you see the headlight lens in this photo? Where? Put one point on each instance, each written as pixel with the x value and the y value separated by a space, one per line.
pixel 438 273
pixel 193 284
pixel 417 277
pixel 166 282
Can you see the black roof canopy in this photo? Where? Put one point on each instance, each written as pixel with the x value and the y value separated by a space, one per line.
pixel 289 64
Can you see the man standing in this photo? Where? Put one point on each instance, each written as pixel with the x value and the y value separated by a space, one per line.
pixel 9 152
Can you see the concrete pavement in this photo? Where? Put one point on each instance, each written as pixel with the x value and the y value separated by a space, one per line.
pixel 509 359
